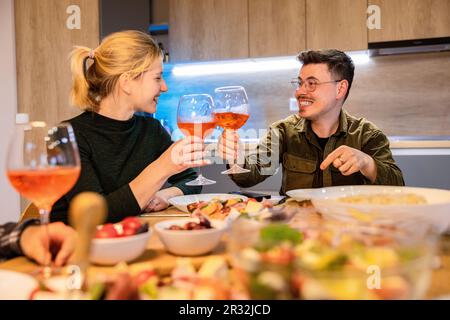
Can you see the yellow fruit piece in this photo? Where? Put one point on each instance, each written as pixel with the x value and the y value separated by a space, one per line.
pixel 321 261
pixel 338 289
pixel 253 206
pixel 211 208
pixel 377 256
pixel 231 202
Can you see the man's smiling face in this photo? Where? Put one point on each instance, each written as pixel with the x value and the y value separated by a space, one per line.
pixel 313 104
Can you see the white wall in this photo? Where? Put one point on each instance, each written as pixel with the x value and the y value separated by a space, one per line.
pixel 9 199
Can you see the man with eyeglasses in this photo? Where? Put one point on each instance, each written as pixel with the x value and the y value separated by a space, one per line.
pixel 322 145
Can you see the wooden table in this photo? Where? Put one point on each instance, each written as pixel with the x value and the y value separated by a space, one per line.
pixel 163 262
pixel 155 255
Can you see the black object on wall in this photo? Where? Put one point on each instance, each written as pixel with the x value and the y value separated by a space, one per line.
pixel 118 15
pixel 409 43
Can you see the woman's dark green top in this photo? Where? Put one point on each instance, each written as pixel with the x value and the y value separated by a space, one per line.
pixel 112 154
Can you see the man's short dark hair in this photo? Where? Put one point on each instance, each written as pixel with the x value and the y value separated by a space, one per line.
pixel 339 64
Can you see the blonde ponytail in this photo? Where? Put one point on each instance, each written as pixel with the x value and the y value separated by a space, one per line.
pixel 95 73
pixel 80 87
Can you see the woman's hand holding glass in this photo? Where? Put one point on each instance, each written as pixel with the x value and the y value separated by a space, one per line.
pixel 196 119
pixel 184 154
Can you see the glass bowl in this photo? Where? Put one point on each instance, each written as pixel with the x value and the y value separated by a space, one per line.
pixel 332 260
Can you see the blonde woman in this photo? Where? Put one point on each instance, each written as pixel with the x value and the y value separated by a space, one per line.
pixel 125 157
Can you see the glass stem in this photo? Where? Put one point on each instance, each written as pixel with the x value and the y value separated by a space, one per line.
pixel 200 170
pixel 200 173
pixel 44 215
pixel 235 158
pixel 231 162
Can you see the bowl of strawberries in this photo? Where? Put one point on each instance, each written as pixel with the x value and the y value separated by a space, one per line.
pixel 122 241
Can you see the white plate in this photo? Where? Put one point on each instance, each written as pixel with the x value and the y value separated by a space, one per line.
pixel 181 202
pixel 16 286
pixel 305 194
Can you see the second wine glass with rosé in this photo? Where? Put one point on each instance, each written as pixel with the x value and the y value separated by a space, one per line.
pixel 43 165
pixel 231 113
pixel 196 118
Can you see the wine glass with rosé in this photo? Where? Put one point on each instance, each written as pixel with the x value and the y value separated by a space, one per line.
pixel 43 164
pixel 196 118
pixel 231 113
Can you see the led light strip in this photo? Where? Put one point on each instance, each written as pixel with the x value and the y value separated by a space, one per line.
pixel 250 65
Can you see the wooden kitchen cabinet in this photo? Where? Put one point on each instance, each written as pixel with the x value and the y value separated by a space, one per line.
pixel 276 27
pixel 208 29
pixel 228 29
pixel 43 43
pixel 221 29
pixel 339 24
pixel 411 19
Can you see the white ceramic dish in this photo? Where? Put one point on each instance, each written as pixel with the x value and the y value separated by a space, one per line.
pixel 16 286
pixel 190 242
pixel 305 194
pixel 436 211
pixel 114 250
pixel 182 202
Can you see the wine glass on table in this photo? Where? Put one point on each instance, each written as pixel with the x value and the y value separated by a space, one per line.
pixel 196 118
pixel 231 113
pixel 43 164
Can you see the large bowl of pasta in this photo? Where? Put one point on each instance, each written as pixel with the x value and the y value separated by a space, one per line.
pixel 388 205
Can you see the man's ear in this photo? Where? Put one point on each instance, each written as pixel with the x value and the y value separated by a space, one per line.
pixel 342 89
pixel 124 83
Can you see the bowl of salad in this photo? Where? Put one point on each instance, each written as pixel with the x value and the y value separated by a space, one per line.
pixel 332 261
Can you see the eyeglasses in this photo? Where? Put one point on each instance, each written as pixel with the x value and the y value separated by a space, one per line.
pixel 310 84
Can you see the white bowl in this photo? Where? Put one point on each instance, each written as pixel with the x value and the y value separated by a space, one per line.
pixel 114 250
pixel 182 202
pixel 190 242
pixel 436 211
pixel 306 194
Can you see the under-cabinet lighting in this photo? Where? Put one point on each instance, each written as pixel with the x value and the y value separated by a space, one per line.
pixel 250 65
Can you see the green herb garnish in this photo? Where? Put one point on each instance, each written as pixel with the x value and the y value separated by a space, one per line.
pixel 278 233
